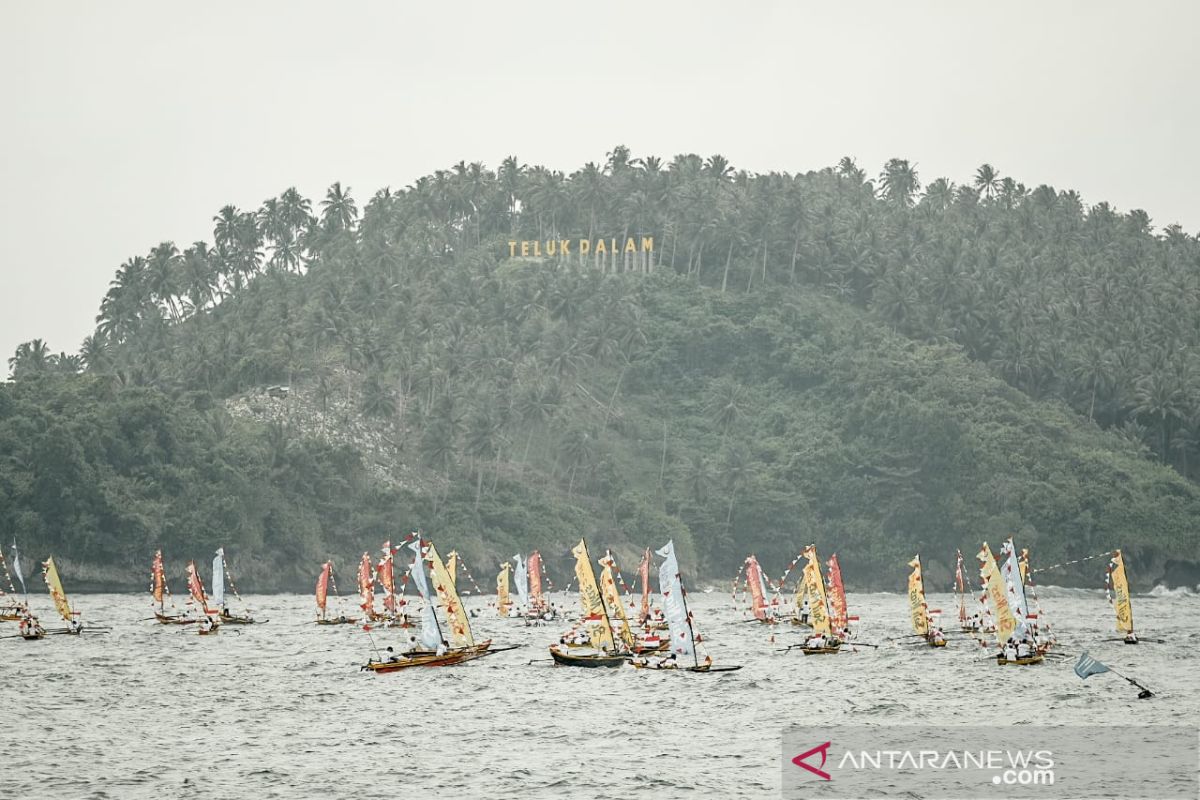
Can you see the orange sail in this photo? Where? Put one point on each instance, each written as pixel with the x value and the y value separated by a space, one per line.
pixel 535 581
pixel 754 579
pixel 196 588
pixel 323 586
pixel 644 572
pixel 157 579
pixel 837 595
pixel 366 585
pixel 387 579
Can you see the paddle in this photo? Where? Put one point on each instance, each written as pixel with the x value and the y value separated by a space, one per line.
pixel 1140 640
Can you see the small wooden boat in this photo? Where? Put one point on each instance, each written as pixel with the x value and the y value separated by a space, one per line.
pixel 215 629
pixel 936 642
pixel 338 621
pixel 458 655
pixel 822 651
pixel 34 636
pixel 1037 658
pixel 175 619
pixel 236 619
pixel 568 659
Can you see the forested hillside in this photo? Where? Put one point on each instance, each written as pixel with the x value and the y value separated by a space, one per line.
pixel 812 357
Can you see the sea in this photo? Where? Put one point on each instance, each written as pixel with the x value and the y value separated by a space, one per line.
pixel 281 709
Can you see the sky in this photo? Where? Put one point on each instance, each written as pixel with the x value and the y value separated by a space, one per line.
pixel 125 124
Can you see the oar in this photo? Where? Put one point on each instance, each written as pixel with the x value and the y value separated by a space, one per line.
pixel 862 644
pixel 1140 640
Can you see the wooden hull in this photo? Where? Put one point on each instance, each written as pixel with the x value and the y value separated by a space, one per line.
pixel 820 651
pixel 174 619
pixel 339 621
pixel 796 621
pixel 640 649
pixel 932 643
pixel 210 632
pixel 567 659
pixel 702 668
pixel 1020 662
pixel 232 619
pixel 33 637
pixel 426 659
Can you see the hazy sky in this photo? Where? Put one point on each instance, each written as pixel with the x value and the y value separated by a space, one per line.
pixel 126 124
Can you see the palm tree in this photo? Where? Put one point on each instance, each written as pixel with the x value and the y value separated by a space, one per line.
pixel 1159 395
pixel 339 212
pixel 898 182
pixel 987 181
pixel 31 358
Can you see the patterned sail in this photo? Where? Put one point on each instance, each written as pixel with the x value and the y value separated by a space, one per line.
pixel 158 580
pixel 50 572
pixel 503 601
pixel 612 599
pixel 837 595
pixel 960 590
pixel 591 603
pixel 644 573
pixel 385 572
pixel 1014 584
pixel 323 586
pixel 754 581
pixel 997 595
pixel 522 576
pixel 196 588
pixel 366 585
pixel 218 595
pixel 1120 593
pixel 536 601
pixel 918 610
pixel 431 635
pixel 456 615
pixel 814 589
pixel 452 567
pixel 674 605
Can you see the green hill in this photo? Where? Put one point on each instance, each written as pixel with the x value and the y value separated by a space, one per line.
pixel 503 404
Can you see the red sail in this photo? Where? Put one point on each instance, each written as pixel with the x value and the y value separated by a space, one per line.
pixel 156 578
pixel 196 588
pixel 644 571
pixel 323 585
pixel 535 580
pixel 754 581
pixel 366 584
pixel 837 595
pixel 387 578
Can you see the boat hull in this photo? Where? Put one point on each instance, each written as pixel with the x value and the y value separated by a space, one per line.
pixel 1020 662
pixel 820 651
pixel 178 619
pixel 601 660
pixel 232 619
pixel 447 659
pixel 342 621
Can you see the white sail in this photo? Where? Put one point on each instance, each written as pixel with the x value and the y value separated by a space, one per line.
pixel 521 573
pixel 430 636
pixel 673 604
pixel 16 565
pixel 218 583
pixel 1015 587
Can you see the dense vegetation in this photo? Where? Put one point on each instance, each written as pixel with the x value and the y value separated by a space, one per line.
pixel 793 365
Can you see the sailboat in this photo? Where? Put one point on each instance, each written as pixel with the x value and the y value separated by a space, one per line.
pixel 595 625
pixel 756 584
pixel 324 582
pixel 679 622
pixel 997 593
pixel 823 641
pixel 385 574
pixel 161 595
pixel 59 596
pixel 649 617
pixel 978 621
pixel 1117 589
pixel 366 588
pixel 538 606
pixel 918 608
pixel 521 574
pixel 503 598
pixel 839 616
pixel 434 649
pixel 220 570
pixel 12 609
pixel 210 619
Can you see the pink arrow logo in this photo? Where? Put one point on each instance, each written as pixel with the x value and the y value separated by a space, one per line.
pixel 823 749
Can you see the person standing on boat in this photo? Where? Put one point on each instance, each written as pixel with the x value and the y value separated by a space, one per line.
pixel 1023 649
pixel 804 611
pixel 1010 651
pixel 413 644
pixel 74 626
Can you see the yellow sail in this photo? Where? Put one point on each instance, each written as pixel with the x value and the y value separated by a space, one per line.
pixel 590 601
pixel 456 615
pixel 918 610
pixel 814 590
pixel 997 594
pixel 56 589
pixel 502 599
pixel 1120 599
pixel 452 567
pixel 612 599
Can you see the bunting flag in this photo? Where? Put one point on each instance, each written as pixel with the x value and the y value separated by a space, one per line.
pixel 1119 593
pixel 670 586
pixel 591 602
pixel 608 590
pixel 431 635
pixel 50 573
pixel 997 595
pixel 323 586
pixel 456 615
pixel 366 585
pixel 837 596
pixel 918 610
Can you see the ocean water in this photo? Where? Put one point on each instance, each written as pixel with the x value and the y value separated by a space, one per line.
pixel 281 710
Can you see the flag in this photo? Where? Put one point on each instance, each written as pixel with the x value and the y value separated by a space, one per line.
pixel 1086 666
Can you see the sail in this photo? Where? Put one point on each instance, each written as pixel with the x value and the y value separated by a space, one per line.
pixel 456 615
pixel 1120 593
pixel 837 595
pixel 536 600
pixel 670 586
pixel 997 595
pixel 452 567
pixel 218 595
pixel 612 599
pixel 1014 585
pixel 644 573
pixel 591 602
pixel 50 572
pixel 431 635
pixel 16 565
pixel 918 611
pixel 960 590
pixel 196 588
pixel 754 581
pixel 366 585
pixel 323 586
pixel 814 589
pixel 387 579
pixel 158 581
pixel 522 577
pixel 502 599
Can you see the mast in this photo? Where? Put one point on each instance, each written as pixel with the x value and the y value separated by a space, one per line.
pixel 456 615
pixel 687 614
pixel 590 596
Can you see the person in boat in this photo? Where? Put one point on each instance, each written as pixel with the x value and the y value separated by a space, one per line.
pixel 1010 650
pixel 1024 650
pixel 937 637
pixel 74 626
pixel 443 647
pixel 639 661
pixel 26 626
pixel 804 612
pixel 391 656
pixel 816 642
pixel 413 644
pixel 1131 638
pixel 206 624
